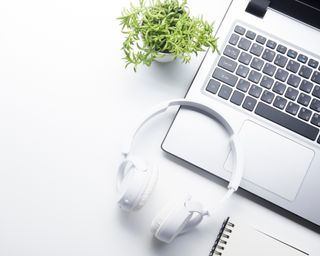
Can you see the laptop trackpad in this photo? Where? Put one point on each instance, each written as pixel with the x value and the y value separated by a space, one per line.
pixel 272 161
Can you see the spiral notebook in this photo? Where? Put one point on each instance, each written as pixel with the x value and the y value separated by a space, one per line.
pixel 235 239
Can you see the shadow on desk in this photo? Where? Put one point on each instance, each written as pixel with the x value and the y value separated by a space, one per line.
pixel 245 194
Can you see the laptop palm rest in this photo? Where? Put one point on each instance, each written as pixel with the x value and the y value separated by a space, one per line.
pixel 268 156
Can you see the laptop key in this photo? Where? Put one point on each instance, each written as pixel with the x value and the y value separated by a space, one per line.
pixel 293 66
pixel 237 97
pixel 305 114
pixel 281 48
pixel 316 77
pixel 305 72
pixel 244 44
pixel 257 63
pixel 279 88
pixel 249 103
pixel 316 119
pixel 280 60
pixel 292 108
pixel 266 82
pixel 285 120
pixel 302 58
pixel 279 102
pixel 315 105
pixel 225 76
pixel 291 93
pixel 234 39
pixel 304 99
pixel 271 44
pixel 316 91
pixel 250 34
pixel 292 53
pixel 269 69
pixel 245 58
pixel 255 91
pixel 242 71
pixel 268 55
pixel 267 96
pixel 240 30
pixel 306 86
pixel 256 49
pixel 313 63
pixel 213 86
pixel 281 75
pixel 254 76
pixel 294 80
pixel 225 92
pixel 243 85
pixel 261 39
pixel 231 52
pixel 227 64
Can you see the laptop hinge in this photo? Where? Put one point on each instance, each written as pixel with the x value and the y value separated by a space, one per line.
pixel 258 7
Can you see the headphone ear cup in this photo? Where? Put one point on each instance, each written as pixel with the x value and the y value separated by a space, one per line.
pixel 177 219
pixel 134 184
pixel 159 219
pixel 151 183
pixel 170 222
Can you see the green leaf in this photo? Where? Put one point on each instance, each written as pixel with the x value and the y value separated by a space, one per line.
pixel 163 26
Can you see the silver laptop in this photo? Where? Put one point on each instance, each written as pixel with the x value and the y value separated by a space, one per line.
pixel 266 81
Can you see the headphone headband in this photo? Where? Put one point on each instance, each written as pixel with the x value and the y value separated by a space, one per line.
pixel 237 172
pixel 197 106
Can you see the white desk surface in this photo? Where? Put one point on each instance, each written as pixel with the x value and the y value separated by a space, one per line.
pixel 66 105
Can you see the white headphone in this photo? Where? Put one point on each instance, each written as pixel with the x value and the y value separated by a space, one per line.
pixel 136 180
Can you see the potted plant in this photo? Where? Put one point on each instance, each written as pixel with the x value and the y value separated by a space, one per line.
pixel 163 30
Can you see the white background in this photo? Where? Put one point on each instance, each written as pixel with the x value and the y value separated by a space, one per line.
pixel 66 106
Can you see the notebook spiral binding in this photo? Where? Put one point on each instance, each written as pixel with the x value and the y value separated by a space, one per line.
pixel 222 238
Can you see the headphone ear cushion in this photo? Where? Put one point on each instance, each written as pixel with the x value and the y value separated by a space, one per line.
pixel 159 219
pixel 133 183
pixel 170 222
pixel 176 219
pixel 151 183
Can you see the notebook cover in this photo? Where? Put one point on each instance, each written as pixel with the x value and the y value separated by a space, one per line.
pixel 236 239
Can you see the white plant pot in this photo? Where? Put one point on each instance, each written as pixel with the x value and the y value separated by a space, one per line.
pixel 165 57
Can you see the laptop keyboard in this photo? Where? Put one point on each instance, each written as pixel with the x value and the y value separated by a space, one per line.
pixel 270 79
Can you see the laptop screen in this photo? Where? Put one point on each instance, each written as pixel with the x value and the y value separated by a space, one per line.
pixel 307 11
pixel 311 3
